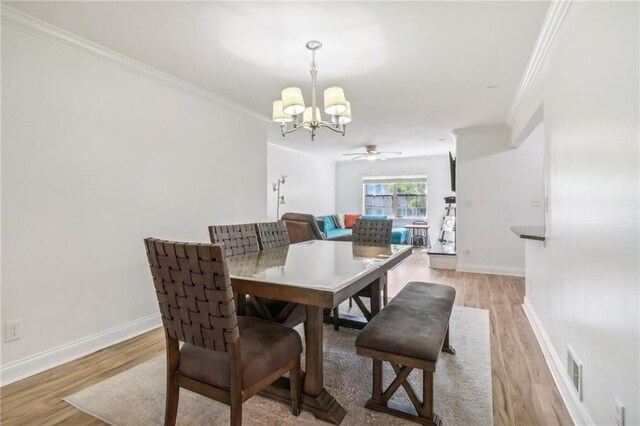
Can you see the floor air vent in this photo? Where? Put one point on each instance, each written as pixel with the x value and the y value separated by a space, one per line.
pixel 574 369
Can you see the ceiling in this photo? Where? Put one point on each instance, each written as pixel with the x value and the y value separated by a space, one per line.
pixel 412 70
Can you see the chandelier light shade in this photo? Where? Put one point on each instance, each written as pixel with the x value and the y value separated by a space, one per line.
pixel 307 117
pixel 290 111
pixel 292 101
pixel 334 101
pixel 278 114
pixel 345 117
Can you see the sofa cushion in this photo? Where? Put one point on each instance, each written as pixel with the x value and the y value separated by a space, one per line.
pixel 328 224
pixel 338 233
pixel 340 223
pixel 349 218
pixel 399 235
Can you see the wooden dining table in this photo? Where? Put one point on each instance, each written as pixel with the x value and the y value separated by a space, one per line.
pixel 318 274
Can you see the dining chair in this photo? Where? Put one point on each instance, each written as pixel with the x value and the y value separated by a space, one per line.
pixel 225 357
pixel 237 239
pixel 244 238
pixel 272 234
pixel 301 227
pixel 367 232
pixel 372 232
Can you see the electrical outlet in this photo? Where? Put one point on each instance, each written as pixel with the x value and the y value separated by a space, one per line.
pixel 535 202
pixel 13 330
pixel 619 413
pixel 468 203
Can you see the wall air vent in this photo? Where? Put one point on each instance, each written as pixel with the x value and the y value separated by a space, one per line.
pixel 574 370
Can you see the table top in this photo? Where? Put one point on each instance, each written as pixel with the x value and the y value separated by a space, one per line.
pixel 324 265
pixel 416 226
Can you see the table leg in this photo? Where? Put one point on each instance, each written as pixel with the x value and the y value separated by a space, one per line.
pixel 314 380
pixel 315 397
pixel 376 288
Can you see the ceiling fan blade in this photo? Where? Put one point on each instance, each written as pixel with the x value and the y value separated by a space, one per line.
pixel 359 156
pixel 382 157
pixel 353 154
pixel 391 152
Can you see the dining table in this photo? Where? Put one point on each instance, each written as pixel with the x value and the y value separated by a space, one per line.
pixel 319 274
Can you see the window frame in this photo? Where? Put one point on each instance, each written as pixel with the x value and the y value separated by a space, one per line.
pixel 395 180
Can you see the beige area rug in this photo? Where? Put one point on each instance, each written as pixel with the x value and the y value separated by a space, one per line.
pixel 463 394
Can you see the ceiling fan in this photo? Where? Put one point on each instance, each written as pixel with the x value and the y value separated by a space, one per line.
pixel 372 154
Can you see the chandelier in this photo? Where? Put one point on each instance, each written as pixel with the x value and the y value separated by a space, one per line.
pixel 291 113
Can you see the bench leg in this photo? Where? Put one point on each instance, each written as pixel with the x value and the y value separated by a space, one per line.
pixel 420 412
pixel 446 347
pixel 376 395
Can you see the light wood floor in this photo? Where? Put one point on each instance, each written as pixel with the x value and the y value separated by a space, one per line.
pixel 523 389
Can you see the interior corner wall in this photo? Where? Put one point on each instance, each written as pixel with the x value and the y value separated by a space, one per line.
pixel 584 282
pixel 497 188
pixel 310 184
pixel 349 176
pixel 94 159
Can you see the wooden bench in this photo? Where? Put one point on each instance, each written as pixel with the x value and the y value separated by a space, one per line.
pixel 409 333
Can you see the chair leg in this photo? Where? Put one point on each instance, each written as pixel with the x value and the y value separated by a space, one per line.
pixel 296 386
pixel 351 302
pixel 173 390
pixel 171 408
pixel 236 410
pixel 385 295
pixel 336 318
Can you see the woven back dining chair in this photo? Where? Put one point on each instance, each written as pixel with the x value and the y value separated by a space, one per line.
pixel 237 239
pixel 272 234
pixel 223 356
pixel 372 232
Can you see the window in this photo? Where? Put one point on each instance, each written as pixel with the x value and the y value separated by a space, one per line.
pixel 396 197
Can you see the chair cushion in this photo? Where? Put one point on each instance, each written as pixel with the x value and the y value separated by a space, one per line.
pixel 265 346
pixel 413 324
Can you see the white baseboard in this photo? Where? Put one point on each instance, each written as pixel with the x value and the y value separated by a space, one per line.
pixel 493 270
pixel 577 410
pixel 38 363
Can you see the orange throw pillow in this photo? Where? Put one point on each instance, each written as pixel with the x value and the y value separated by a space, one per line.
pixel 349 218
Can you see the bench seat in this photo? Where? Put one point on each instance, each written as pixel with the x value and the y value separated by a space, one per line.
pixel 409 333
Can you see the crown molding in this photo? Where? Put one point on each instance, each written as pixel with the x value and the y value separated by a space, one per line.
pixel 482 129
pixel 551 25
pixel 34 26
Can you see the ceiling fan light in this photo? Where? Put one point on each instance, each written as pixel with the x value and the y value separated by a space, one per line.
pixel 292 101
pixel 371 157
pixel 334 101
pixel 307 117
pixel 345 117
pixel 278 115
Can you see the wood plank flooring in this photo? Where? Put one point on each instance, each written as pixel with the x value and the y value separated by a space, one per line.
pixel 523 389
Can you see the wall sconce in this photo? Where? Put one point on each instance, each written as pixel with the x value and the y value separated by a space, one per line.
pixel 276 188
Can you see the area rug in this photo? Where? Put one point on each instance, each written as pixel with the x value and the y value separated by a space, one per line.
pixel 463 394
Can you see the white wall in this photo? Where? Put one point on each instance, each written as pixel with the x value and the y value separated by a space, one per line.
pixel 94 159
pixel 310 184
pixel 584 282
pixel 495 189
pixel 349 176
